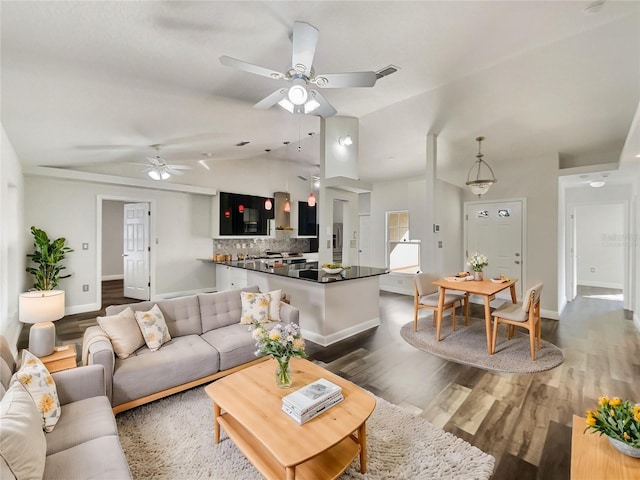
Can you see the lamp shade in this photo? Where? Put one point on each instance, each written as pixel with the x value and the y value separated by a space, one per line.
pixel 41 306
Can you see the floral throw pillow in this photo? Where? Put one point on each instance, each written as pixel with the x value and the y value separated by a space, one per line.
pixel 255 308
pixel 35 377
pixel 154 328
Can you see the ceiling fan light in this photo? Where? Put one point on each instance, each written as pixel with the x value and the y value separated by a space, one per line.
pixel 287 105
pixel 297 92
pixel 311 105
pixel 158 174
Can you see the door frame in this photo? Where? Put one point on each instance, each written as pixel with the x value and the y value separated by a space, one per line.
pixel 524 253
pixel 152 235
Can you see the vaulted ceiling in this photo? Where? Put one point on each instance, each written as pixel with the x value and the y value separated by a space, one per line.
pixel 92 85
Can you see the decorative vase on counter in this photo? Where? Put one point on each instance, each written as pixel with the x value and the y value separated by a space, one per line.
pixel 624 448
pixel 478 276
pixel 284 378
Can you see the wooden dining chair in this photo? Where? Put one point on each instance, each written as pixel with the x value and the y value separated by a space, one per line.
pixel 427 295
pixel 524 314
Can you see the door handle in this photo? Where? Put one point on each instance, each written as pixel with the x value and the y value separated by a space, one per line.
pixel 517 262
pixel 125 254
pixel 517 254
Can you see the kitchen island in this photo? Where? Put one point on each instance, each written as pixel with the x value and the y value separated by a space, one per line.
pixel 332 307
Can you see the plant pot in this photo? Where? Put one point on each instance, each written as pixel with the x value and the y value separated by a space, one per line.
pixel 624 448
pixel 477 276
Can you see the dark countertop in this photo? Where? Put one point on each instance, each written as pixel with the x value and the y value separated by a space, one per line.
pixel 307 271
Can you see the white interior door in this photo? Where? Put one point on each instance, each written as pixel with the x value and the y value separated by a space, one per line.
pixel 495 229
pixel 135 250
pixel 364 240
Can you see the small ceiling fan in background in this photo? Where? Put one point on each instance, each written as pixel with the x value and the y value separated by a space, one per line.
pixel 159 169
pixel 299 98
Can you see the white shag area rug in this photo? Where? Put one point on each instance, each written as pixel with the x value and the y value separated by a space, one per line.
pixel 172 439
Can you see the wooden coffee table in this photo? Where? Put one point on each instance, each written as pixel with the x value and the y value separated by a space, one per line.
pixel 248 406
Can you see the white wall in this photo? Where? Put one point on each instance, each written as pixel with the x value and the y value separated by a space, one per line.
pixel 600 240
pixel 12 242
pixel 180 233
pixel 112 239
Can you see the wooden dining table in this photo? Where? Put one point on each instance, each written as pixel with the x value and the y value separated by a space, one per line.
pixel 487 288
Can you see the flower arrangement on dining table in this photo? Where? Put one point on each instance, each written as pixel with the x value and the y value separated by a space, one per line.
pixel 282 342
pixel 616 419
pixel 477 261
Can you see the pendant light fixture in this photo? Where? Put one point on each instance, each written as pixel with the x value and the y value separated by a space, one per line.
pixel 268 204
pixel 479 182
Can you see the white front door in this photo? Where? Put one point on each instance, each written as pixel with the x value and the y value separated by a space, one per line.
pixel 136 251
pixel 495 229
pixel 364 241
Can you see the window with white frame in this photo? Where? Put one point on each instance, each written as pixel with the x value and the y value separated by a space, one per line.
pixel 403 254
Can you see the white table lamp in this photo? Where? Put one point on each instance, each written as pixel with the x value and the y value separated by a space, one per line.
pixel 41 308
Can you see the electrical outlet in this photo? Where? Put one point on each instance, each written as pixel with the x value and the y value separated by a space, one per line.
pixel 439 243
pixel 85 288
pixel 593 270
pixel 85 246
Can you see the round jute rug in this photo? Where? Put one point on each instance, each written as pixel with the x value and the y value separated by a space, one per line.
pixel 468 345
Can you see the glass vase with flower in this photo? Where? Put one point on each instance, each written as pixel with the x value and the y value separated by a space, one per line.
pixel 282 342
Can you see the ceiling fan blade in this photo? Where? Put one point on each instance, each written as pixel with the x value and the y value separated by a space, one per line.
pixel 271 99
pixel 325 109
pixel 305 40
pixel 172 171
pixel 345 80
pixel 251 68
pixel 156 161
pixel 179 167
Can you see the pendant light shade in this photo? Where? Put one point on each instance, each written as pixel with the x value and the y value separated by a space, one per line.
pixel 268 204
pixel 479 182
pixel 311 200
pixel 287 206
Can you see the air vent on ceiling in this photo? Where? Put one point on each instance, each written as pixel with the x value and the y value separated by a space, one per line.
pixel 386 71
pixel 241 144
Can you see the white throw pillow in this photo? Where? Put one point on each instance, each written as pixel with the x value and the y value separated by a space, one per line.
pixel 35 378
pixel 123 331
pixel 255 308
pixel 22 443
pixel 154 328
pixel 274 305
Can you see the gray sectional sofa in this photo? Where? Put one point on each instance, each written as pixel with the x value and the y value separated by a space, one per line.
pixel 207 342
pixel 84 443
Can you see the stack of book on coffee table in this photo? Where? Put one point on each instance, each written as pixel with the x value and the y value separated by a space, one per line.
pixel 311 400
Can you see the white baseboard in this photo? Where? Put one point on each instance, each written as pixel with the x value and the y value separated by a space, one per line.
pixel 617 286
pixel 326 340
pixel 88 307
pixel 106 278
pixel 161 296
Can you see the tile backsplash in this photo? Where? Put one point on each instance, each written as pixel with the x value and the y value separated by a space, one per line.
pixel 282 242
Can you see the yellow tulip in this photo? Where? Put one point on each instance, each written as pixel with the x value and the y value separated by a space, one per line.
pixel 603 400
pixel 615 401
pixel 626 436
pixel 591 421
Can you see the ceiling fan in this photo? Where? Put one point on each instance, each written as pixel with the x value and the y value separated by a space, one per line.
pixel 299 98
pixel 159 169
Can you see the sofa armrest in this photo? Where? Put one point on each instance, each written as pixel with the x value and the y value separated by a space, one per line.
pixel 98 350
pixel 289 313
pixel 79 383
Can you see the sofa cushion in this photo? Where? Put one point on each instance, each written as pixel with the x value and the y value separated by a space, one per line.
pixel 22 442
pixel 98 459
pixel 255 308
pixel 153 327
pixel 181 314
pixel 123 331
pixel 221 308
pixel 39 383
pixel 235 344
pixel 274 305
pixel 182 360
pixel 80 422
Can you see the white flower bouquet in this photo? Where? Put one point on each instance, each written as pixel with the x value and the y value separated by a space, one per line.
pixel 477 261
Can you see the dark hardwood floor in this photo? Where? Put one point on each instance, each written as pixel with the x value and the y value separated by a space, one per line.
pixel 524 421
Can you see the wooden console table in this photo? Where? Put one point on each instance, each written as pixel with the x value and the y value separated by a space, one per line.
pixel 593 457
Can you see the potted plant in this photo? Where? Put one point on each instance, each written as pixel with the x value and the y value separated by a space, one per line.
pixel 619 421
pixel 48 255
